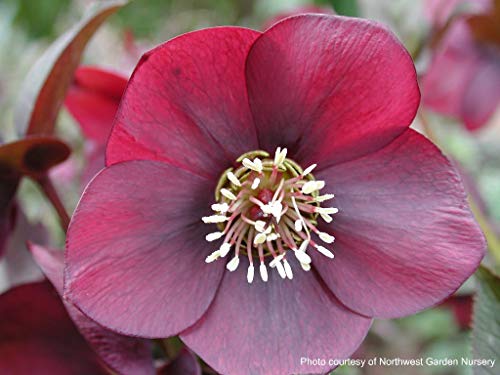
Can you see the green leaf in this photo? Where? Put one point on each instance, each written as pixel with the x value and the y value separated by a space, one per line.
pixel 38 18
pixel 486 327
pixel 44 89
pixel 344 7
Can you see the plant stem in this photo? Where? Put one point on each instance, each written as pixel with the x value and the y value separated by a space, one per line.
pixel 50 192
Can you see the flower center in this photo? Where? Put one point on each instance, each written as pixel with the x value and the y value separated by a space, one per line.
pixel 267 208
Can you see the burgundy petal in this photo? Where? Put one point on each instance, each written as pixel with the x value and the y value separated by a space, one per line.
pixel 330 88
pixel 405 237
pixel 266 328
pixel 93 100
pixel 186 103
pixel 184 364
pixel 121 353
pixel 482 97
pixel 38 337
pixel 136 250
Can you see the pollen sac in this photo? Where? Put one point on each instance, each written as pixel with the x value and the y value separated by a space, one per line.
pixel 266 208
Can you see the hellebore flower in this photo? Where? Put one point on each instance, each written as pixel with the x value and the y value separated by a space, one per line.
pixel 463 79
pixel 248 116
pixel 92 99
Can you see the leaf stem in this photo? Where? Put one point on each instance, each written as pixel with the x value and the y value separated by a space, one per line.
pixel 51 193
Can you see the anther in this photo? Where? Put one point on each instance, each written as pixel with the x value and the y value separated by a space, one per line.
pixel 325 251
pixel 263 272
pixel 214 219
pixel 302 257
pixel 326 210
pixel 325 237
pixel 214 236
pixel 312 186
pixel 233 264
pixel 212 257
pixel 250 273
pixel 220 207
pixel 228 194
pixel 255 183
pixel 309 169
pixel 231 177
pixel 224 249
pixel 324 197
pixel 288 269
pixel 279 156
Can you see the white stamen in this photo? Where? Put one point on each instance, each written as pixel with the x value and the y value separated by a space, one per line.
pixel 288 269
pixel 297 225
pixel 214 236
pixel 259 238
pixel 324 197
pixel 255 165
pixel 220 207
pixel 232 177
pixel 224 249
pixel 325 237
pixel 258 163
pixel 212 257
pixel 214 219
pixel 273 208
pixel 305 267
pixel 250 273
pixel 255 183
pixel 239 193
pixel 303 246
pixel 263 272
pixel 260 225
pixel 233 264
pixel 281 270
pixel 309 169
pixel 273 237
pixel 325 251
pixel 312 186
pixel 276 210
pixel 302 257
pixel 228 194
pixel 276 260
pixel 326 218
pixel 279 156
pixel 326 210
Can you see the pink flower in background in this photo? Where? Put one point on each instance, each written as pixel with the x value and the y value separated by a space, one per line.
pixel 93 100
pixel 463 79
pixel 285 273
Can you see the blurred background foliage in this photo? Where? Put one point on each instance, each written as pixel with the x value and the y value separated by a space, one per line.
pixel 27 27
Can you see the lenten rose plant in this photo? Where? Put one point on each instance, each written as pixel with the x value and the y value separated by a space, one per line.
pixel 264 198
pixel 463 78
